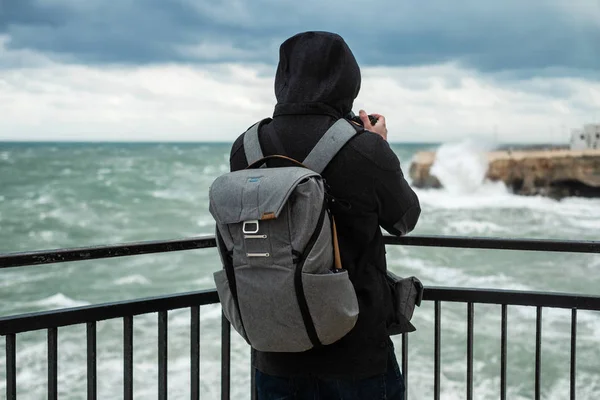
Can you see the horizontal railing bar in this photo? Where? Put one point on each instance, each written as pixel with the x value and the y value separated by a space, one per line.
pixel 553 245
pixel 99 312
pixel 10 260
pixel 513 297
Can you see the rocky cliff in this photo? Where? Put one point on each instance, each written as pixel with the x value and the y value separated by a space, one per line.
pixel 555 173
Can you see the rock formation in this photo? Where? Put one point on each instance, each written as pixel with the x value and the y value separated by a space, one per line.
pixel 554 173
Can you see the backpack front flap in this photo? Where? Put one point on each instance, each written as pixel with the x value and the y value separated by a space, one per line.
pixel 254 194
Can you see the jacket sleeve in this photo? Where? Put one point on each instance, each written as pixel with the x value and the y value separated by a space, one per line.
pixel 398 205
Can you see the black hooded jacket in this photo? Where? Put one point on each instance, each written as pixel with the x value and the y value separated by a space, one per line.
pixel 316 83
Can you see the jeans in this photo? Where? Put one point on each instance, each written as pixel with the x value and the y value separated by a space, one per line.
pixel 387 386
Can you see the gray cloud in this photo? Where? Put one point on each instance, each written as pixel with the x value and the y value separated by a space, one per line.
pixel 510 39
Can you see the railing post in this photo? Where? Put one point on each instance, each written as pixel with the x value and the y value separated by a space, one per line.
pixel 538 351
pixel 52 363
pixel 573 351
pixel 405 363
pixel 503 353
pixel 91 360
pixel 436 378
pixel 11 367
pixel 470 317
pixel 195 352
pixel 162 355
pixel 225 358
pixel 128 357
pixel 254 393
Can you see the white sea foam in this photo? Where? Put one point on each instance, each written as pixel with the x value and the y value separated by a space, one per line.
pixel 461 168
pixel 205 222
pixel 58 300
pixel 132 280
pixel 443 275
pixel 468 227
pixel 209 170
pixel 174 194
pixel 204 282
pixel 104 171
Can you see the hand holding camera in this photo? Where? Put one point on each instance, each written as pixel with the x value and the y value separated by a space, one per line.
pixel 374 123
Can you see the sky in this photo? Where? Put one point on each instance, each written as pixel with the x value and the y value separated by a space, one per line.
pixel 191 70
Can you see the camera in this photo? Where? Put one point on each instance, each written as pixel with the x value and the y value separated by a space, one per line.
pixel 351 116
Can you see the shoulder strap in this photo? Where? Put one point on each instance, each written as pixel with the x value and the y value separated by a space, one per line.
pixel 328 146
pixel 252 144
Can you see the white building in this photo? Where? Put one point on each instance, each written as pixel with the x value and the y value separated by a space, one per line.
pixel 586 138
pixel 579 140
pixel 593 133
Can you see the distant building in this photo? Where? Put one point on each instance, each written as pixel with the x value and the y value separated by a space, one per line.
pixel 579 140
pixel 593 132
pixel 586 138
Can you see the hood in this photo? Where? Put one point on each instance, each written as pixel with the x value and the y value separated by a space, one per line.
pixel 317 74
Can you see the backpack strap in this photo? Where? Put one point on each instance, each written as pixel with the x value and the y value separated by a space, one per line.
pixel 328 146
pixel 252 144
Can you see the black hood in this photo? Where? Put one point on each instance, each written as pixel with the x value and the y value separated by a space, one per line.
pixel 317 74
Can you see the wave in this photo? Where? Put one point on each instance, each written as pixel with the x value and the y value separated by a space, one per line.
pixel 58 300
pixel 440 275
pixel 461 168
pixel 132 280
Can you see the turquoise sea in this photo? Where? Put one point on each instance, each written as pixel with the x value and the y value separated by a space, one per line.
pixel 55 195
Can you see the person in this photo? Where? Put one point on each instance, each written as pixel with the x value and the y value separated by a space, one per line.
pixel 316 83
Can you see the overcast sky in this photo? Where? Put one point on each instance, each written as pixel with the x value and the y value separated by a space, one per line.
pixel 186 70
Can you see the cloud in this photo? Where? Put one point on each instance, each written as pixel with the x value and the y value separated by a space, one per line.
pixel 179 70
pixel 216 102
pixel 515 38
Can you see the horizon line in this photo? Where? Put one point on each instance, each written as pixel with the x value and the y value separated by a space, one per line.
pixel 20 141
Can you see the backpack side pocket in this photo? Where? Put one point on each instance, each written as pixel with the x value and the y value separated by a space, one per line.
pixel 406 294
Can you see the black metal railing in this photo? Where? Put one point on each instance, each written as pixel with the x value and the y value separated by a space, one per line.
pixel 50 321
pixel 90 315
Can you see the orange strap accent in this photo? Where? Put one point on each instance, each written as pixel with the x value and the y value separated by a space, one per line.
pixel 267 216
pixel 262 160
pixel 337 259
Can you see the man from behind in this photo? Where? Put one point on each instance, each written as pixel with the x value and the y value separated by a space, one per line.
pixel 316 83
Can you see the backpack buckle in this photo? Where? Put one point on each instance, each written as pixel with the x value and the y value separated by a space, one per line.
pixel 248 225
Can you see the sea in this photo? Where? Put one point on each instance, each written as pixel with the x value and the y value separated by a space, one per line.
pixel 58 195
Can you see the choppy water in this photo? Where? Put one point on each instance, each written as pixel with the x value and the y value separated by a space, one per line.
pixel 66 195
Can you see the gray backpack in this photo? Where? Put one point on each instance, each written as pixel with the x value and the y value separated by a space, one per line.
pixel 282 286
